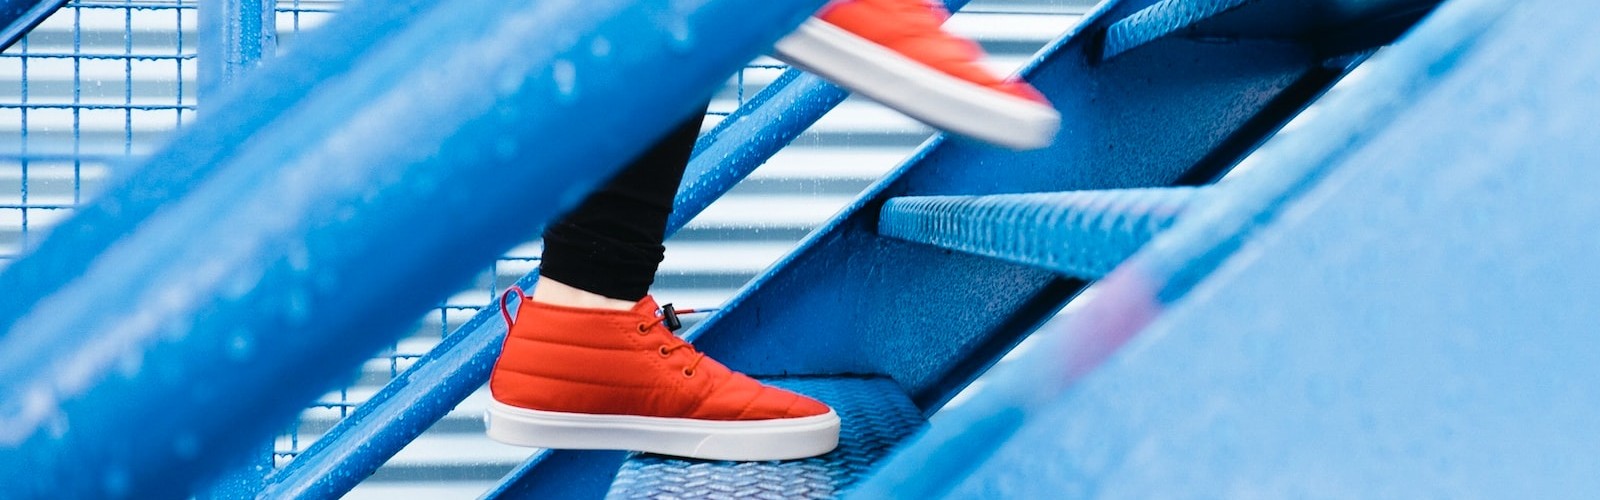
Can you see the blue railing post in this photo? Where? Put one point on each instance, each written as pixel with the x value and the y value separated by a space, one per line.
pixel 235 37
pixel 455 368
pixel 182 334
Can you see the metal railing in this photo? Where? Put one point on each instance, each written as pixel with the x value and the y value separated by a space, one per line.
pixel 86 89
pixel 180 170
pixel 101 83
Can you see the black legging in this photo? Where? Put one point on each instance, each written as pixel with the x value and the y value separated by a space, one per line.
pixel 611 243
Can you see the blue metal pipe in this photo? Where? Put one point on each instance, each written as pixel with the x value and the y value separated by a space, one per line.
pixel 416 399
pixel 257 286
pixel 748 137
pixel 18 17
pixel 140 188
pixel 425 393
pixel 235 37
pixel 411 403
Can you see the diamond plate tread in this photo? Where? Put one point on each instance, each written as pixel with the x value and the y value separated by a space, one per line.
pixel 1084 234
pixel 1277 19
pixel 876 415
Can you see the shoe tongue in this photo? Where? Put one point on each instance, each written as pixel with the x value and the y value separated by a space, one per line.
pixel 646 306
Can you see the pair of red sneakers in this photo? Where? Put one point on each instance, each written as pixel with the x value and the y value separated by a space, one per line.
pixel 606 379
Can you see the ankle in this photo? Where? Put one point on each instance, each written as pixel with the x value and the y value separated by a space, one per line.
pixel 556 293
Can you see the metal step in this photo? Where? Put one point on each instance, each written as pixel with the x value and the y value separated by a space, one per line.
pixel 933 319
pixel 1325 313
pixel 875 415
pixel 819 175
pixel 1334 26
pixel 1083 234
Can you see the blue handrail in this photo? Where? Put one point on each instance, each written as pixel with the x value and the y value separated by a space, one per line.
pixel 18 17
pixel 232 289
pixel 417 398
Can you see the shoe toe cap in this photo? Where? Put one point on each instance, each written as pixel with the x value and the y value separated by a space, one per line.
pixel 773 403
pixel 806 407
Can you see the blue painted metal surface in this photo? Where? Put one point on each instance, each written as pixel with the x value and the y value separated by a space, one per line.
pixel 1332 26
pixel 455 368
pixel 566 474
pixel 1084 234
pixel 1417 322
pixel 245 285
pixel 748 137
pixel 437 382
pixel 890 307
pixel 142 187
pixel 235 36
pixel 931 319
pixel 1414 210
pixel 405 408
pixel 874 415
pixel 244 481
pixel 18 17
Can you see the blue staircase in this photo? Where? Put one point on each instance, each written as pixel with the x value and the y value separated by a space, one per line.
pixel 949 315
pixel 1330 322
pixel 1390 306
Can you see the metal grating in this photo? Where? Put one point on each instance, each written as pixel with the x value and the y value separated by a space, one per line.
pixel 875 413
pixel 94 84
pixel 103 82
pixel 296 16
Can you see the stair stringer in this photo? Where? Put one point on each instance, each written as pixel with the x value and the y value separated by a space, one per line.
pixel 1412 318
pixel 849 301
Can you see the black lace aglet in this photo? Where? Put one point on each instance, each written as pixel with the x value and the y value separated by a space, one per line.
pixel 669 318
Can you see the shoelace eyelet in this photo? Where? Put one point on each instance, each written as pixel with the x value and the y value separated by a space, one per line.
pixel 664 352
pixel 687 373
pixel 643 328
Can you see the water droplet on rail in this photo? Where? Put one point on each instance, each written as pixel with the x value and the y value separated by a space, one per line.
pixel 565 75
pixel 241 345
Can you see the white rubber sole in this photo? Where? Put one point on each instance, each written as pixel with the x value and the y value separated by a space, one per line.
pixel 777 439
pixel 905 85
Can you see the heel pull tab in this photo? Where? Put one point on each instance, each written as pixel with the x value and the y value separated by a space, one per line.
pixel 504 312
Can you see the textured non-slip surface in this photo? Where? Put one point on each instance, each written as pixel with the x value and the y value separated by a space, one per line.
pixel 1335 25
pixel 1082 233
pixel 876 415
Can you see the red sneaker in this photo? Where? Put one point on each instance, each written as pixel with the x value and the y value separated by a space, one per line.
pixel 619 380
pixel 896 53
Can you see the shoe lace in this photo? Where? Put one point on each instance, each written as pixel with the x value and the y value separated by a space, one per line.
pixel 668 317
